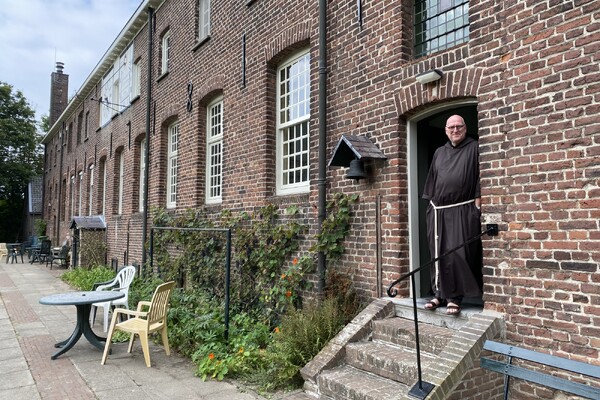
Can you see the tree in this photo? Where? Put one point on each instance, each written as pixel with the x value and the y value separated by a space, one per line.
pixel 20 158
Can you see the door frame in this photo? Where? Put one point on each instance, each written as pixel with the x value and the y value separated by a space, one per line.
pixel 413 184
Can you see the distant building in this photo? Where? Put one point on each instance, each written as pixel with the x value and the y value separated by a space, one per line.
pixel 33 206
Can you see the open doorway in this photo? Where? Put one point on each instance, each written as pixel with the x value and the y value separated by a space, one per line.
pixel 425 134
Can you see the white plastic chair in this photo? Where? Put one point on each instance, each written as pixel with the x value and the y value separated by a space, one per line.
pixel 121 283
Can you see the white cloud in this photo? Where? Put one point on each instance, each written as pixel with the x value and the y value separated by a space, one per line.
pixel 38 33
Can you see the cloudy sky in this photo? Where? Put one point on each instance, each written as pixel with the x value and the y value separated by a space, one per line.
pixel 35 34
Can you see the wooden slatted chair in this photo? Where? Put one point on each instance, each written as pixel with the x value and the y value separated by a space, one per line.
pixel 143 322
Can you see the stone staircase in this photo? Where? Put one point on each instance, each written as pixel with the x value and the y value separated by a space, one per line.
pixel 374 356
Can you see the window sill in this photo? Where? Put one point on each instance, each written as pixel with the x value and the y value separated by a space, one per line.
pixel 200 43
pixel 162 76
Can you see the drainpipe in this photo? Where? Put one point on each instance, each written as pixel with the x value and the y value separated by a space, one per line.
pixel 321 182
pixel 147 155
pixel 60 187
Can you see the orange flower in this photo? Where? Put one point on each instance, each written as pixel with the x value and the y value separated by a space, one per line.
pixel 276 329
pixel 288 294
pixel 295 261
pixel 282 276
pixel 241 350
pixel 211 356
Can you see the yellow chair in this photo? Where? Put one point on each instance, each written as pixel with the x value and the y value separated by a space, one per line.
pixel 144 322
pixel 3 251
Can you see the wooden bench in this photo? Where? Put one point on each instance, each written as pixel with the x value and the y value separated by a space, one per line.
pixel 505 367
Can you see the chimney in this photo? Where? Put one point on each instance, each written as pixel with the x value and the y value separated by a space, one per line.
pixel 59 88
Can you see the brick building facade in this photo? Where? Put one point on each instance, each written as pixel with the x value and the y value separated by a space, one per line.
pixel 524 76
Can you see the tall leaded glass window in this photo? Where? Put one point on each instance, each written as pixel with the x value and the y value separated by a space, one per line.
pixel 440 24
pixel 172 166
pixel 293 114
pixel 142 186
pixel 203 19
pixel 214 151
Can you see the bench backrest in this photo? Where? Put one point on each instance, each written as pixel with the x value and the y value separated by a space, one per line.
pixel 506 368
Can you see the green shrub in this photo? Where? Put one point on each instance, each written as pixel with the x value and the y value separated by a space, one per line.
pixel 84 279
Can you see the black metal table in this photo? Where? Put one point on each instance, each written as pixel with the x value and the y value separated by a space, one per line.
pixel 83 301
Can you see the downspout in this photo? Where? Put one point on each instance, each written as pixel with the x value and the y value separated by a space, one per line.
pixel 321 182
pixel 147 155
pixel 61 137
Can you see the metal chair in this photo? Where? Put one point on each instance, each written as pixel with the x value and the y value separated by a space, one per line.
pixel 43 253
pixel 61 256
pixel 144 322
pixel 121 283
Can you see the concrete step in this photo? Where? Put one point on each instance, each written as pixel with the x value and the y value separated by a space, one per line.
pixel 385 360
pixel 349 383
pixel 404 309
pixel 401 332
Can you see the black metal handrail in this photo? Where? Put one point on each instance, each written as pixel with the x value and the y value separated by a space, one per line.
pixel 227 233
pixel 421 389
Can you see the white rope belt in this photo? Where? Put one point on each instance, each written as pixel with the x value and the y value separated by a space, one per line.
pixel 435 231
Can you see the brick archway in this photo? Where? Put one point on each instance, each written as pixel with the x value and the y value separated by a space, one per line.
pixel 454 85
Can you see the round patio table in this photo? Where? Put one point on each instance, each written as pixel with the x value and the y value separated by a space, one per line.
pixel 83 301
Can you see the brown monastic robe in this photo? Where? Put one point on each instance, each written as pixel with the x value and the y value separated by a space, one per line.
pixel 454 178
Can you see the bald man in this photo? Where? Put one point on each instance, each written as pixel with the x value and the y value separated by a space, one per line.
pixel 453 217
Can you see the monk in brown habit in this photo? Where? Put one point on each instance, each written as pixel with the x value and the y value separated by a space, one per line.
pixel 453 217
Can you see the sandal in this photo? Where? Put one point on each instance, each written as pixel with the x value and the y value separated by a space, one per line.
pixel 434 303
pixel 453 309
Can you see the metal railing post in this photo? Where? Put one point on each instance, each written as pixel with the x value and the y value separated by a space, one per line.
pixel 421 389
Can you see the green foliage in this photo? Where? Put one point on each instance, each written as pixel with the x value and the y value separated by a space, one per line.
pixel 304 332
pixel 271 334
pixel 20 158
pixel 84 279
pixel 261 246
pixel 40 227
pixel 335 226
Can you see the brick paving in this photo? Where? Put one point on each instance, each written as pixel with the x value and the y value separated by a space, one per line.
pixel 29 330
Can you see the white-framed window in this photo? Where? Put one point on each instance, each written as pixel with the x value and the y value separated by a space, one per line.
pixel 72 196
pixel 172 165
pixel 293 115
pixel 136 80
pixel 80 194
pixel 214 151
pixel 121 180
pixel 104 176
pixel 203 19
pixel 440 24
pixel 142 187
pixel 87 125
pixel 91 190
pixel 165 50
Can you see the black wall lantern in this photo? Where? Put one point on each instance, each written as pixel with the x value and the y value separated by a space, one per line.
pixel 357 153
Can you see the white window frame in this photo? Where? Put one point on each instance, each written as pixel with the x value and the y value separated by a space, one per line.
pixel 173 138
pixel 203 19
pixel 104 177
pixel 214 151
pixel 72 195
pixel 121 180
pixel 142 188
pixel 80 194
pixel 293 117
pixel 136 83
pixel 91 190
pixel 165 50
